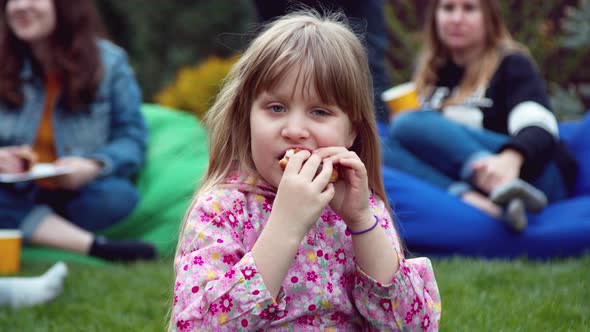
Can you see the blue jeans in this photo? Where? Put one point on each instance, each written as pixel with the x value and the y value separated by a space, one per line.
pixel 96 206
pixel 441 152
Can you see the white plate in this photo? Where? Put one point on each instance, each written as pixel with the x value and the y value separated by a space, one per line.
pixel 38 171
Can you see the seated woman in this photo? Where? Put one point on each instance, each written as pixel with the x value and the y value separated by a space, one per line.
pixel 72 100
pixel 485 132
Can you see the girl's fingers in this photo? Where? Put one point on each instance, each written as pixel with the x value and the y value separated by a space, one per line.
pixel 344 155
pixel 354 163
pixel 354 170
pixel 330 151
pixel 328 193
pixel 295 162
pixel 310 167
pixel 349 162
pixel 323 177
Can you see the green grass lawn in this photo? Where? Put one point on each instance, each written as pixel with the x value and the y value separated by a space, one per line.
pixel 478 295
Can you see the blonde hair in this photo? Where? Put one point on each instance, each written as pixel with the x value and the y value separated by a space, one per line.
pixel 498 43
pixel 325 51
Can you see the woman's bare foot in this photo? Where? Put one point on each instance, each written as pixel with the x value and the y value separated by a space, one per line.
pixel 513 215
pixel 483 203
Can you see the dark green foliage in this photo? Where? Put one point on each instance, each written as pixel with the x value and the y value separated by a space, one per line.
pixel 162 36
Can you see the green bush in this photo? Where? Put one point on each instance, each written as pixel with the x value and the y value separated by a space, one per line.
pixel 163 36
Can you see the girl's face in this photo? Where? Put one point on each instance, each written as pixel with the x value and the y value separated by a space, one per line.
pixel 460 24
pixel 293 116
pixel 31 20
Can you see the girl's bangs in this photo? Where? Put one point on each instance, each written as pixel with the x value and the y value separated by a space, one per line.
pixel 319 68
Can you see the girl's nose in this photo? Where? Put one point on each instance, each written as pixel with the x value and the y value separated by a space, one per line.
pixel 295 129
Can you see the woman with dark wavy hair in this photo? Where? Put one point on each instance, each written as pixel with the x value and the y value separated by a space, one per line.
pixel 69 101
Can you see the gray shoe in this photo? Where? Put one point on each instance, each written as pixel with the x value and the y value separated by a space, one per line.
pixel 533 199
pixel 514 215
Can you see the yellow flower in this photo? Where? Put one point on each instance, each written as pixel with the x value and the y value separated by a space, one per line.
pixel 215 256
pixel 222 318
pixel 211 275
pixel 216 206
pixel 437 306
pixel 311 256
pixel 195 87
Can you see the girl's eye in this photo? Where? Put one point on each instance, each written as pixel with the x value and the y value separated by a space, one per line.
pixel 277 108
pixel 320 112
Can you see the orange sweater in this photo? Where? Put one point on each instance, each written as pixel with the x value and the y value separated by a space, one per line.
pixel 44 144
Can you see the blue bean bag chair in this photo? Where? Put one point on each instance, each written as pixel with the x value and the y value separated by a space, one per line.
pixel 432 222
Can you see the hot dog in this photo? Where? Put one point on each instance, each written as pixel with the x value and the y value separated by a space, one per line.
pixel 283 164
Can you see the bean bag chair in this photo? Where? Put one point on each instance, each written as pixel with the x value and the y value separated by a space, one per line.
pixel 176 159
pixel 432 222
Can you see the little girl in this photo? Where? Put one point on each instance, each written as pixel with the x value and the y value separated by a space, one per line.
pixel 265 249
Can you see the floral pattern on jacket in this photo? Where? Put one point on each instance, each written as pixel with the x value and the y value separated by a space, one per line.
pixel 217 285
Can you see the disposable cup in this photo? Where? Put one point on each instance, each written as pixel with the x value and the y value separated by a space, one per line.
pixel 10 247
pixel 401 98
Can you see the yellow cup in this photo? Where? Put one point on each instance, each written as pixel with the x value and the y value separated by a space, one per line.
pixel 10 245
pixel 401 98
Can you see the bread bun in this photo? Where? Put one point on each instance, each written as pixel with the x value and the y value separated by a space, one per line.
pixel 285 160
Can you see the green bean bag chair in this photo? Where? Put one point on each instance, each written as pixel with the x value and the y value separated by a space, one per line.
pixel 176 159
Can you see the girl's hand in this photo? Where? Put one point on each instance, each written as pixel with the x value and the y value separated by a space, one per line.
pixel 10 162
pixel 83 171
pixel 498 169
pixel 302 195
pixel 351 200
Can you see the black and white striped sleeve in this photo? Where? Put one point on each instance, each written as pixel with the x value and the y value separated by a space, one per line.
pixel 531 123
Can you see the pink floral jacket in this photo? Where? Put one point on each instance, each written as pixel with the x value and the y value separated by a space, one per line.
pixel 217 286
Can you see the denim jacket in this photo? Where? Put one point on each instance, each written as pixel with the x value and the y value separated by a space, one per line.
pixel 111 130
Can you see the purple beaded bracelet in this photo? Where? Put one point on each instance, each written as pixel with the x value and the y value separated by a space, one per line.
pixel 364 231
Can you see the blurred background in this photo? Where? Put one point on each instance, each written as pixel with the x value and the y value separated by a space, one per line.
pixel 182 49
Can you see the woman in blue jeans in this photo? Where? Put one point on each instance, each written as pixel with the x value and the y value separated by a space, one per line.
pixel 69 99
pixel 485 132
